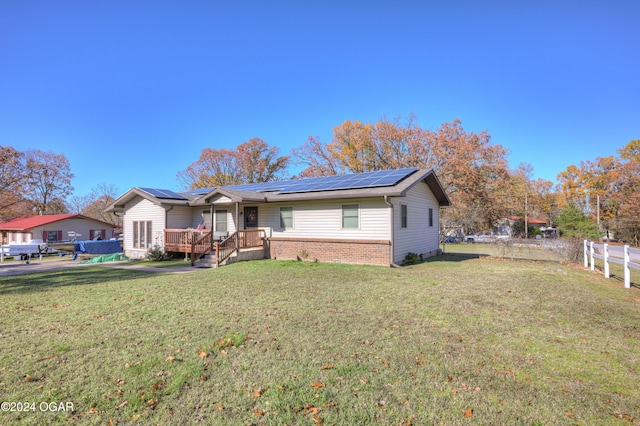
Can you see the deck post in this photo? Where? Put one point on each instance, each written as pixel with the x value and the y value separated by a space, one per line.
pixel 585 251
pixel 606 260
pixel 593 266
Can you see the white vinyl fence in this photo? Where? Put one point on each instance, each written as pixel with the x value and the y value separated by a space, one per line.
pixel 623 255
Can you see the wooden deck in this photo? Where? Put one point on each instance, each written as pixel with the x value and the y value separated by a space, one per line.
pixel 199 243
pixel 181 240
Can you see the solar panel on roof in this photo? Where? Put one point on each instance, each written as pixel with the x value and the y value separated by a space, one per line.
pixel 328 183
pixel 164 193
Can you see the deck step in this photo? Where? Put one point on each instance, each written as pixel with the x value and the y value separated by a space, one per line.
pixel 209 261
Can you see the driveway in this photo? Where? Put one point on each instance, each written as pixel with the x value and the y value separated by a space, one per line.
pixel 49 265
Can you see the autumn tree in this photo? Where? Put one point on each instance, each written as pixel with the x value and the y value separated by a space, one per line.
pixel 473 171
pixel 315 155
pixel 252 161
pixel 606 190
pixel 48 181
pixel 12 181
pixel 258 162
pixel 627 194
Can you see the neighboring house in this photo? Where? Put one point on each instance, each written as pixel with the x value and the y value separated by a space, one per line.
pixel 369 218
pixel 53 228
pixel 530 221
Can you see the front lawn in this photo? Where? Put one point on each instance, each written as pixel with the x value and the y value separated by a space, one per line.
pixel 457 339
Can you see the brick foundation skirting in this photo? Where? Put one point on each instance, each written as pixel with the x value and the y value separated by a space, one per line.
pixel 363 252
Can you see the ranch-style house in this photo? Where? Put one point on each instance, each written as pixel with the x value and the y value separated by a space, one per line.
pixel 369 218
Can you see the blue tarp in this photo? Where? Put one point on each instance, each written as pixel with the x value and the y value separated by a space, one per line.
pixel 96 247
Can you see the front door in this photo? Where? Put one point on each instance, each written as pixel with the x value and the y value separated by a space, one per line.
pixel 250 217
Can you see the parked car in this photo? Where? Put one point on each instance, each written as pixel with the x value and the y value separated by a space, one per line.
pixel 479 237
pixel 484 237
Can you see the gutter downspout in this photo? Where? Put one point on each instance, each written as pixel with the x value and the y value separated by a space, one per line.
pixel 166 221
pixel 392 227
pixel 238 226
pixel 166 217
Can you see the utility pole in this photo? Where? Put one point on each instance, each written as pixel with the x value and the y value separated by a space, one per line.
pixel 526 219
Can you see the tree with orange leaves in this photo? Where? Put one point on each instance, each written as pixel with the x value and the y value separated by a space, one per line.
pixel 473 171
pixel 250 162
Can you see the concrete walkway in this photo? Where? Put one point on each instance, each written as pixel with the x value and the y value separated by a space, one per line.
pixel 49 265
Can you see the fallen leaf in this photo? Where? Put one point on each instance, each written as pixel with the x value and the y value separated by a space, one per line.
pixel 327 367
pixel 314 410
pixel 123 404
pixel 317 385
pixel 257 393
pixel 330 404
pixel 468 413
pixel 170 358
pixel 202 354
pixel 318 420
pixel 258 413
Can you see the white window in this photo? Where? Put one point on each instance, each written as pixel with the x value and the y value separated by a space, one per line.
pixel 350 215
pixel 286 218
pixel 142 234
pixel 221 221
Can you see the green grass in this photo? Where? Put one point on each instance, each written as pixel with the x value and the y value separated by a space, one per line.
pixel 272 342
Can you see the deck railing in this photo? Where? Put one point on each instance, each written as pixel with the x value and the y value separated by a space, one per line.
pixel 238 240
pixel 201 242
pixel 180 240
pixel 201 246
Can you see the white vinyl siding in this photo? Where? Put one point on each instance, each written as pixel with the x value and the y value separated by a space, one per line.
pixel 141 209
pixel 180 217
pixel 418 237
pixel 323 219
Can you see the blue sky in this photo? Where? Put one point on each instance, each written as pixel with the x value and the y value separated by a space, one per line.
pixel 131 92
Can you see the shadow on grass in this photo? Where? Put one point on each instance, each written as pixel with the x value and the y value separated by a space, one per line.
pixel 27 283
pixel 454 257
pixel 618 278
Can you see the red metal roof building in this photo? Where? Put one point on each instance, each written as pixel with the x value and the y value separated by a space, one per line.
pixel 52 228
